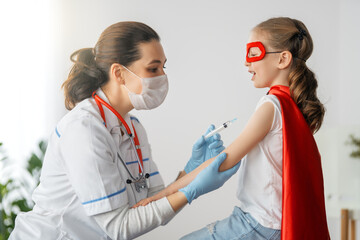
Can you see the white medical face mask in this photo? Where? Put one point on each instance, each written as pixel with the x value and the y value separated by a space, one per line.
pixel 154 91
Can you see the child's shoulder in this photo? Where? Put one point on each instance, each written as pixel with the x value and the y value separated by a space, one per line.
pixel 269 98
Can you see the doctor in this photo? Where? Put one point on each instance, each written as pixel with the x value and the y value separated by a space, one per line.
pixel 98 162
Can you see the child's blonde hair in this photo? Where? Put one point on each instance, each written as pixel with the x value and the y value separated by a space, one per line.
pixel 289 34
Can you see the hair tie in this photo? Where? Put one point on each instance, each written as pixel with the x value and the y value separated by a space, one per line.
pixel 301 59
pixel 301 34
pixel 94 53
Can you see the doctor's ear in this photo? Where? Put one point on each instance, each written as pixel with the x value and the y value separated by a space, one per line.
pixel 285 59
pixel 117 72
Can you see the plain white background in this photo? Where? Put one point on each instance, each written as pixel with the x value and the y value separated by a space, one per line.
pixel 204 42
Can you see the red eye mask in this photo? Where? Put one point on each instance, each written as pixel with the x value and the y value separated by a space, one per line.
pixel 255 45
pixel 259 49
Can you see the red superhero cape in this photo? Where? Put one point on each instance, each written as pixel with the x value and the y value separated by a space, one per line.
pixel 303 204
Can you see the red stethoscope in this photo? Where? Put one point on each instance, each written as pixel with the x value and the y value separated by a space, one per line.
pixel 140 181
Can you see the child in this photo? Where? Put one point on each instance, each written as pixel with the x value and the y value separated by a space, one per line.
pixel 280 186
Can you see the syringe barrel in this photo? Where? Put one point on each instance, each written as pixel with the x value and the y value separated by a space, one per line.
pixel 213 132
pixel 220 128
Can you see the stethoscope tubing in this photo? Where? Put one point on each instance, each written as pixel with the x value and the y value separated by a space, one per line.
pixel 127 131
pixel 134 180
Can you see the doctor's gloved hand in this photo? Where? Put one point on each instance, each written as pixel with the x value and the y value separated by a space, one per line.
pixel 209 179
pixel 204 150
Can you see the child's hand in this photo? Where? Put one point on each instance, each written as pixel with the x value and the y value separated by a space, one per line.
pixel 144 202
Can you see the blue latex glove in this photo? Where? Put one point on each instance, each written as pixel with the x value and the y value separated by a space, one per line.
pixel 209 179
pixel 204 150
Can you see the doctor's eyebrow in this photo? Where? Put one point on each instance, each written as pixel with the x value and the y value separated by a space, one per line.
pixel 156 61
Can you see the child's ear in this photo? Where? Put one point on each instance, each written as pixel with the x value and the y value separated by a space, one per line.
pixel 285 60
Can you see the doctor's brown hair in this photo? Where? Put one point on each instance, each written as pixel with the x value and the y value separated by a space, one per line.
pixel 290 34
pixel 117 44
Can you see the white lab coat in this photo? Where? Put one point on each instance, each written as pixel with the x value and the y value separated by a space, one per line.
pixel 82 176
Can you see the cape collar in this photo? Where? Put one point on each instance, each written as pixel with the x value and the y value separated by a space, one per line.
pixel 281 88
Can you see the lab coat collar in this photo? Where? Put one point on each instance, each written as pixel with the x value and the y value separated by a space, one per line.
pixel 112 121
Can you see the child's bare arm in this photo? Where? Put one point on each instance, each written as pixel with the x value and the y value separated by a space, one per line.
pixel 255 130
pixel 175 186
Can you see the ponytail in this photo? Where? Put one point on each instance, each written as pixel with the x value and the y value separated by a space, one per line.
pixel 290 34
pixel 303 85
pixel 119 43
pixel 84 77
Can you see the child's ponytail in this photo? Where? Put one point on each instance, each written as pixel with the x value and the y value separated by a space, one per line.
pixel 292 35
pixel 303 85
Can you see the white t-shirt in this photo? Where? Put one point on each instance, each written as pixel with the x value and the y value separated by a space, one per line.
pixel 260 178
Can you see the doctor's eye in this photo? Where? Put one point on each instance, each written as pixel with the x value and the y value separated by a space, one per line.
pixel 153 70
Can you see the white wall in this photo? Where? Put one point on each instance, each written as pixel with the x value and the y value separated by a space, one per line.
pixel 204 42
pixel 26 55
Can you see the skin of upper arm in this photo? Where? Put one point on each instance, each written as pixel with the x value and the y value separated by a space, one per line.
pixel 255 130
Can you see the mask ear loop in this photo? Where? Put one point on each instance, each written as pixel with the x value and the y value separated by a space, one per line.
pixel 132 74
pixel 127 89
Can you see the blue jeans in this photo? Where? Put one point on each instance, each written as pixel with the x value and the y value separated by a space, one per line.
pixel 240 225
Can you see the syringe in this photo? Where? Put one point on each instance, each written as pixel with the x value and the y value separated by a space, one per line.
pixel 220 128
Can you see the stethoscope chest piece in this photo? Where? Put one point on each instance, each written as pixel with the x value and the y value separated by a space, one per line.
pixel 141 182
